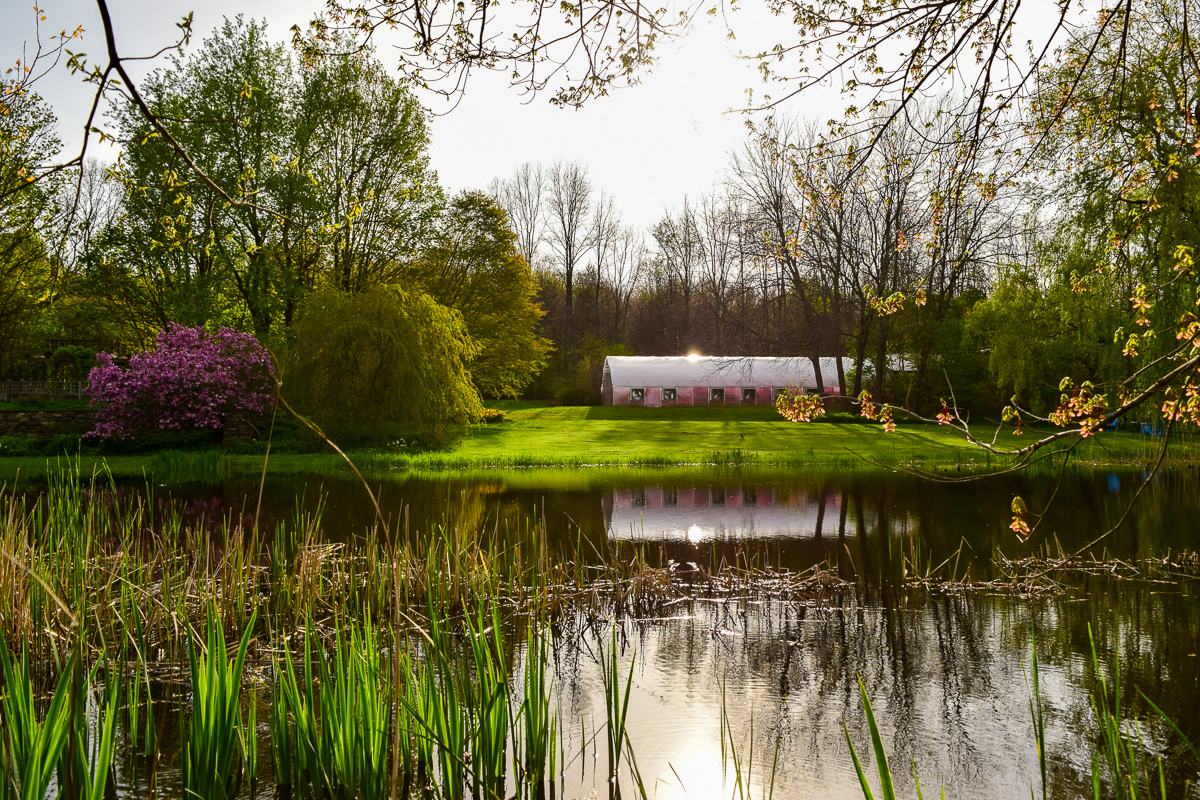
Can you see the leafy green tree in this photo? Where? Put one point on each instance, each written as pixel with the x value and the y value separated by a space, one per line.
pixel 229 103
pixel 474 267
pixel 1074 326
pixel 1127 173
pixel 372 183
pixel 365 361
pixel 1110 291
pixel 303 175
pixel 28 212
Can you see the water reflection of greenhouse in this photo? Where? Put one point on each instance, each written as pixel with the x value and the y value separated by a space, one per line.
pixel 722 511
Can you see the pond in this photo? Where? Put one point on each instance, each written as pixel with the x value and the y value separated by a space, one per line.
pixel 860 520
pixel 948 672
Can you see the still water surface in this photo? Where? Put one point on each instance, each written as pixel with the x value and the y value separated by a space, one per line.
pixel 947 673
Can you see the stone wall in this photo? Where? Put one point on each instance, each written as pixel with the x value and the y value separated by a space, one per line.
pixel 240 428
pixel 45 424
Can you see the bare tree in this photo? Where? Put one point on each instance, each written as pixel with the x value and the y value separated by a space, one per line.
pixel 100 201
pixel 523 196
pixel 681 248
pixel 763 176
pixel 569 228
pixel 626 268
pixel 606 225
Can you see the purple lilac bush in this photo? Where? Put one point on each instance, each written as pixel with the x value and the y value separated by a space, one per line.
pixel 191 379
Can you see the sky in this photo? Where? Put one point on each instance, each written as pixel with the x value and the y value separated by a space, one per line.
pixel 647 146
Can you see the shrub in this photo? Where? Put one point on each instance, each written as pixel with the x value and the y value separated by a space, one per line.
pixel 366 361
pixel 191 379
pixel 491 415
pixel 574 395
pixel 18 445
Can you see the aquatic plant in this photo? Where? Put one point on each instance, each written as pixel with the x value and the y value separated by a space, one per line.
pixel 32 748
pixel 83 769
pixel 490 710
pixel 215 751
pixel 537 743
pixel 742 762
pixel 616 709
pixel 1117 764
pixel 331 736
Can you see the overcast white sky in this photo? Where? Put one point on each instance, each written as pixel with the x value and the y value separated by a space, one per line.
pixel 647 146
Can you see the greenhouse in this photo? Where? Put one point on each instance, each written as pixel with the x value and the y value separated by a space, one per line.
pixel 655 381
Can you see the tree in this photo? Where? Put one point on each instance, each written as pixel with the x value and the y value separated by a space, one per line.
pixel 523 197
pixel 474 267
pixel 570 207
pixel 375 193
pixel 191 379
pixel 334 158
pixel 230 105
pixel 365 361
pixel 682 251
pixel 28 212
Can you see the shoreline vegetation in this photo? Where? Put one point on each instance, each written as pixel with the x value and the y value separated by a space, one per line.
pixel 379 661
pixel 537 435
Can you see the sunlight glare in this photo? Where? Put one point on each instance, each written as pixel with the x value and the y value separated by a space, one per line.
pixel 700 772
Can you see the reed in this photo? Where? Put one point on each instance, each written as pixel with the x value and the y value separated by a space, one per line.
pixel 281 734
pixel 1037 717
pixel 616 709
pixel 32 748
pixel 742 762
pixel 537 743
pixel 887 788
pixel 491 711
pixel 84 768
pixel 216 746
pixel 1117 762
pixel 1118 767
pixel 330 726
pixel 444 713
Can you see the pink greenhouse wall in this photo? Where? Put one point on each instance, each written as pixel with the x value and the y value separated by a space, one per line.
pixel 695 396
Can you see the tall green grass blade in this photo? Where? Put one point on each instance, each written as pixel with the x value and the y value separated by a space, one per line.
pixel 213 759
pixel 858 769
pixel 1037 717
pixel 34 748
pixel 1171 724
pixel 886 784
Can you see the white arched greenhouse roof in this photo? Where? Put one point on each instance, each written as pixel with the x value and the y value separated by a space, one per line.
pixel 679 371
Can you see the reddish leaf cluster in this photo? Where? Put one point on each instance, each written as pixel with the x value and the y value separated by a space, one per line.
pixel 795 406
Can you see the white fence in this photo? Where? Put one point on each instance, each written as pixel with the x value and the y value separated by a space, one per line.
pixel 12 390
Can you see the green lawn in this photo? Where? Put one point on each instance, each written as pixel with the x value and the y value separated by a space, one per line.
pixel 621 435
pixel 696 433
pixel 536 435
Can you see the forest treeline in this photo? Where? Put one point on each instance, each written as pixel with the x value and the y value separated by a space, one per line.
pixel 1044 257
pixel 991 271
pixel 797 251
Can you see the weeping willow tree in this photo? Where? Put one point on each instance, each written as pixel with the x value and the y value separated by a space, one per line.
pixel 365 361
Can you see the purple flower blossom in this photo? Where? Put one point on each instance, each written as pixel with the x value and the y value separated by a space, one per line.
pixel 191 379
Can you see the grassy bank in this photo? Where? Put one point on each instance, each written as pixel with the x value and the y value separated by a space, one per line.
pixel 536 435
